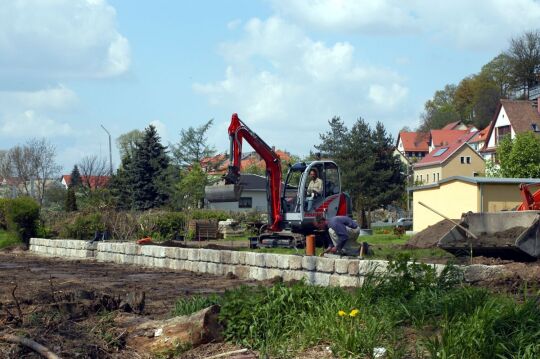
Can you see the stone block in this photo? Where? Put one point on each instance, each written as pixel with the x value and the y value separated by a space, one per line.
pixel 130 249
pixel 309 263
pixel 238 257
pixel 296 275
pixel 320 279
pixel 242 272
pixel 147 251
pixel 181 253
pixel 283 261
pixel 201 267
pixel 258 273
pixel 325 264
pixel 213 268
pixel 271 260
pixel 337 280
pixel 482 273
pixel 159 251
pixel 273 273
pixel 372 267
pixel 255 259
pixel 213 256
pixel 193 254
pixel 342 266
pixel 225 257
pixel 170 252
pixel 295 262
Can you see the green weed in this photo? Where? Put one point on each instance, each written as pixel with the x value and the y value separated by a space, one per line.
pixel 189 305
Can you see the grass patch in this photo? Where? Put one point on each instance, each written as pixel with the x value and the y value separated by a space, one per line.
pixel 8 239
pixel 411 312
pixel 189 305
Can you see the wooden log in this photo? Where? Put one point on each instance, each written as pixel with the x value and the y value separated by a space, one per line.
pixel 155 336
pixel 29 343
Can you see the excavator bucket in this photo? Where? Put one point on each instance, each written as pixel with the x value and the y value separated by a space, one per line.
pixel 223 192
pixel 508 235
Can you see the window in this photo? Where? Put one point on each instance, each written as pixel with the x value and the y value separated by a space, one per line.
pixel 440 151
pixel 468 160
pixel 331 179
pixel 437 176
pixel 244 202
pixel 501 132
pixel 462 159
pixel 434 177
pixel 421 179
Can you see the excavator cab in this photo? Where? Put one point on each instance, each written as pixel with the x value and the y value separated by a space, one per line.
pixel 298 213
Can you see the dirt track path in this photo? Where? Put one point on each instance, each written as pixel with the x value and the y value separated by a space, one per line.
pixel 162 287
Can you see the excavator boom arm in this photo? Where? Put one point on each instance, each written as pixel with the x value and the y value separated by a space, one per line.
pixel 238 131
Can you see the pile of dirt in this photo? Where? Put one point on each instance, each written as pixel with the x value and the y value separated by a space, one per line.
pixel 429 237
pixel 506 237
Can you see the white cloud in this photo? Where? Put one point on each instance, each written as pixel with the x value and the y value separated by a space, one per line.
pixel 285 83
pixel 29 124
pixel 44 40
pixel 387 96
pixel 383 16
pixel 479 24
pixel 25 114
pixel 54 98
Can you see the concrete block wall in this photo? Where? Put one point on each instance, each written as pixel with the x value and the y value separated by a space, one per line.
pixel 70 248
pixel 245 265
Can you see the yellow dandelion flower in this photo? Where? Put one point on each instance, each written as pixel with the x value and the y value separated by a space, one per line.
pixel 341 313
pixel 354 313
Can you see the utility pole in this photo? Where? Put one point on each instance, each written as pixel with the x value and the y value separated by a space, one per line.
pixel 110 151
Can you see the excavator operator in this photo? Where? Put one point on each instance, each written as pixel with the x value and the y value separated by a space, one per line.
pixel 315 188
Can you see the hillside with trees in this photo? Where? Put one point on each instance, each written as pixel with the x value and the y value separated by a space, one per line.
pixel 474 100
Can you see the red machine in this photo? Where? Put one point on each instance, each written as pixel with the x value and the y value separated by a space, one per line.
pixel 531 202
pixel 289 219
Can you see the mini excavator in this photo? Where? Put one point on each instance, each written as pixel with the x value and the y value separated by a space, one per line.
pixel 290 219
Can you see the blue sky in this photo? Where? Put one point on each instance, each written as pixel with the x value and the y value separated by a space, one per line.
pixel 286 67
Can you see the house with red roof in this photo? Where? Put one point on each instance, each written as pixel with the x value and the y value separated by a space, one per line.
pixel 512 117
pixel 412 146
pixel 442 137
pixel 479 138
pixel 457 125
pixel 93 182
pixel 457 158
pixel 218 164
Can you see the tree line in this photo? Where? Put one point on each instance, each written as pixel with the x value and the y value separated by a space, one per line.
pixel 511 74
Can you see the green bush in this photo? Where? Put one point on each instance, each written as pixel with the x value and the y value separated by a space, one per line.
pixel 216 214
pixel 22 215
pixel 162 225
pixel 3 207
pixel 8 239
pixel 82 226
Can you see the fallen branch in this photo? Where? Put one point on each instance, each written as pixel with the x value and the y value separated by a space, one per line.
pixel 17 303
pixel 240 351
pixel 29 343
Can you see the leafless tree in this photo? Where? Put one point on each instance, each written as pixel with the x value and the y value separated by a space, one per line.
pixel 30 167
pixel 92 169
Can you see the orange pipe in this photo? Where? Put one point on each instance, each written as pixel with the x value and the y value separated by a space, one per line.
pixel 310 245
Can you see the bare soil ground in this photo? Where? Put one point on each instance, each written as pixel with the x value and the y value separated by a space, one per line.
pixel 45 285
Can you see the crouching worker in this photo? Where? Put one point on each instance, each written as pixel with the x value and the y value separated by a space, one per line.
pixel 343 232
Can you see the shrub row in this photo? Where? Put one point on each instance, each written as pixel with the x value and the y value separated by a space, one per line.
pixel 160 225
pixel 20 217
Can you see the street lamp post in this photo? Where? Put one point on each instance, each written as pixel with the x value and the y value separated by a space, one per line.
pixel 110 151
